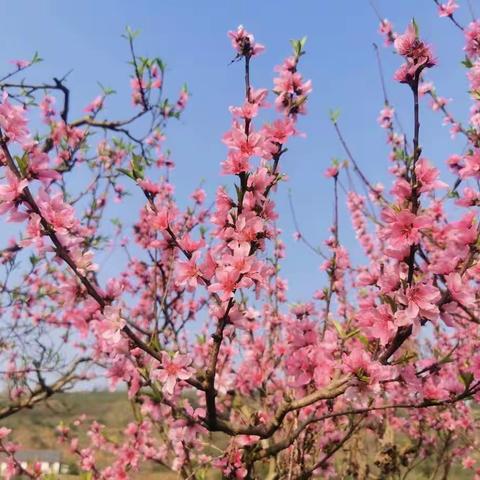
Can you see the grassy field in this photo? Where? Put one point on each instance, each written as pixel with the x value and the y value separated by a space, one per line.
pixel 35 428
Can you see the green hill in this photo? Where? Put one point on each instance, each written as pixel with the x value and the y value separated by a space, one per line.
pixel 35 428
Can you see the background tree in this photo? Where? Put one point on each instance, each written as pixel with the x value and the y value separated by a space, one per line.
pixel 373 376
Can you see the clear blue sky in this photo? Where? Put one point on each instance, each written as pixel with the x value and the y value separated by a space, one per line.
pixel 191 37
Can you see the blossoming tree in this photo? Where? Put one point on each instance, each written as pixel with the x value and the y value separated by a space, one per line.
pixel 373 377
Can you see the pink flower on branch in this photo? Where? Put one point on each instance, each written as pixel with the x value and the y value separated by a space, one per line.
pixel 404 227
pixel 427 175
pixel 417 54
pixel 13 122
pixel 244 43
pixel 420 301
pixel 110 326
pixel 172 370
pixel 447 9
pixel 386 29
pixel 189 271
pixel 21 64
pixel 472 39
pixel 11 193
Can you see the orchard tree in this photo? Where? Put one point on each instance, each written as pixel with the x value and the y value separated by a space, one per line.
pixel 375 377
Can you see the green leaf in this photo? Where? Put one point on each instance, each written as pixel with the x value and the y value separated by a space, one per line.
pixel 339 329
pixel 390 301
pixel 363 378
pixel 353 333
pixel 137 167
pixel 131 34
pixel 106 90
pixel 295 46
pixel 34 260
pixel 36 58
pixel 126 172
pixel 298 46
pixel 22 163
pixel 239 192
pixel 303 41
pixel 363 339
pixel 334 115
pixel 161 65
pixel 201 474
pixel 467 62
pixel 467 378
pixel 453 194
pixel 399 154
pixel 415 27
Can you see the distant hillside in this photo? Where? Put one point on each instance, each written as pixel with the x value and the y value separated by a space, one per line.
pixel 35 428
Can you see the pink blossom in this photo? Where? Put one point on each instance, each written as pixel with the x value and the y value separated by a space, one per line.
pixel 280 130
pixel 364 368
pixel 378 322
pixel 11 192
pixel 111 325
pixel 420 301
pixel 386 29
pixel 149 186
pixel 438 103
pixel 226 283
pixel 189 271
pixel 331 172
pixel 386 117
pixel 405 43
pixel 39 166
pixel 84 260
pixel 244 43
pixel 173 369
pixel 447 9
pixel 471 167
pixel 54 209
pixel 416 53
pixel 427 175
pixel 470 198
pixel 460 290
pixel 95 105
pixel 12 121
pixel 472 38
pixel 199 196
pixel 401 189
pixel 21 64
pixel 426 87
pixel 182 98
pixel 468 462
pixel 159 220
pixel 47 108
pixel 404 227
pixel 473 76
pixel 247 111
